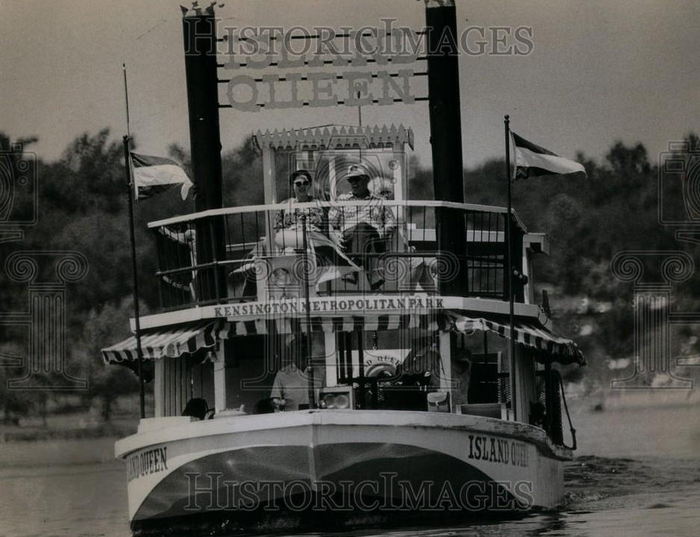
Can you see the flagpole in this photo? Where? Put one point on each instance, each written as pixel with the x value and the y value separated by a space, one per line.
pixel 126 101
pixel 132 237
pixel 359 109
pixel 509 265
pixel 307 303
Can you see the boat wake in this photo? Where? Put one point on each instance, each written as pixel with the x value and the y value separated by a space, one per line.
pixel 598 480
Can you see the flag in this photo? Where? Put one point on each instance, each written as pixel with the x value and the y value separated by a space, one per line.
pixel 156 174
pixel 532 160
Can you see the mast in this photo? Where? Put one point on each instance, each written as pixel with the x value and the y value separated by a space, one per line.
pixel 510 267
pixel 132 239
pixel 446 140
pixel 307 315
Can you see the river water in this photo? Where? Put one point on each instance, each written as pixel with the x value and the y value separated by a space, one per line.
pixel 637 474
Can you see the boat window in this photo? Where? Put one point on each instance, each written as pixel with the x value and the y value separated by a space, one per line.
pixel 202 379
pixel 480 377
pixel 390 369
pixel 184 378
pixel 484 381
pixel 253 363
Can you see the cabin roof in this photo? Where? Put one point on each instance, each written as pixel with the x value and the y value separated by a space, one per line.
pixel 336 137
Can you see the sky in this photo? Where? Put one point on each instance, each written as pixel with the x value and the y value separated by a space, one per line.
pixel 599 71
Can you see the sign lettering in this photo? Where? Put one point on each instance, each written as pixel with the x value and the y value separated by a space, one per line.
pixel 498 450
pixel 146 462
pixel 320 68
pixel 329 306
pixel 319 89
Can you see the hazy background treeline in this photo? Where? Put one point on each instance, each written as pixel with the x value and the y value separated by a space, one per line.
pixel 82 207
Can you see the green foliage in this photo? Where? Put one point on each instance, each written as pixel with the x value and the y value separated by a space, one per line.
pixel 588 221
pixel 242 170
pixel 107 324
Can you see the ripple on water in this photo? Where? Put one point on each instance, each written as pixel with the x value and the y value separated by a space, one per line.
pixel 605 496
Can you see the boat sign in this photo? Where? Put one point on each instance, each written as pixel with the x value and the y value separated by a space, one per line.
pixel 498 450
pixel 146 462
pixel 331 305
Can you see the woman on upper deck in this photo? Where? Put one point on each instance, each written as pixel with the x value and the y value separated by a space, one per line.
pixel 289 234
pixel 291 218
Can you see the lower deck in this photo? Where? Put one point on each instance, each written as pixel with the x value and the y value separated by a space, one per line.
pixel 417 364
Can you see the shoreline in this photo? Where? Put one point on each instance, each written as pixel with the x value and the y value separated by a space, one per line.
pixel 83 426
pixel 43 455
pixel 666 427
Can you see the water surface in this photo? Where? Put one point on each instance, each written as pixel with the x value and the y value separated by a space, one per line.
pixel 637 474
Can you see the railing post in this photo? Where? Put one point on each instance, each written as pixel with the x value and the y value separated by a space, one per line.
pixel 159 258
pixel 506 259
pixel 517 262
pixel 215 257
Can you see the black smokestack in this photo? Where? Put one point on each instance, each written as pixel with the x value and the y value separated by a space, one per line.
pixel 202 100
pixel 443 91
pixel 446 139
pixel 199 33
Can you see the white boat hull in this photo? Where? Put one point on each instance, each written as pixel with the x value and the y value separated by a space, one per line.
pixel 332 462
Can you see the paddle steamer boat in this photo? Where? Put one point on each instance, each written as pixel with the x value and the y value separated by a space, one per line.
pixel 423 394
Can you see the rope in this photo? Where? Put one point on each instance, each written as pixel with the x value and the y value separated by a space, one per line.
pixel 568 416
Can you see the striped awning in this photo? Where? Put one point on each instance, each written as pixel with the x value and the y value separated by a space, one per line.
pixel 528 334
pixel 186 339
pixel 346 323
pixel 170 343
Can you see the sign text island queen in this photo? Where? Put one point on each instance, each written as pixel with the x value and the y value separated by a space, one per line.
pixel 284 68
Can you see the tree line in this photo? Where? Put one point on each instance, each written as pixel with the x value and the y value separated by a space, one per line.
pixel 82 206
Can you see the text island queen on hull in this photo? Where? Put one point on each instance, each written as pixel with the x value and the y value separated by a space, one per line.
pixel 341 354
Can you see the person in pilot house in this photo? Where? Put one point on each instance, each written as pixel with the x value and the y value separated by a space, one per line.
pixel 365 227
pixel 291 386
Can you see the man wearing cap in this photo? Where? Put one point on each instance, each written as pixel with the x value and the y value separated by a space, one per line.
pixel 365 226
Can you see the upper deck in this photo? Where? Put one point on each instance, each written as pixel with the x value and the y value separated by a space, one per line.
pixel 263 261
pixel 279 250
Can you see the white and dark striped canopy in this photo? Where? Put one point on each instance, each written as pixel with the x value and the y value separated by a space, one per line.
pixel 346 323
pixel 170 343
pixel 186 339
pixel 528 334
